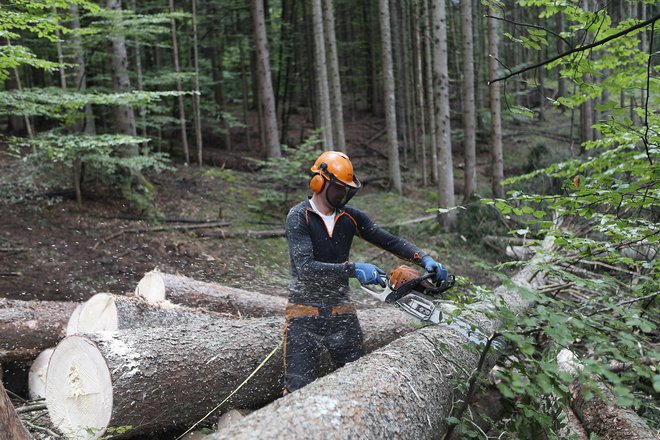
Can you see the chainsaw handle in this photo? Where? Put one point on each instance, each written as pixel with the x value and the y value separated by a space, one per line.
pixel 406 288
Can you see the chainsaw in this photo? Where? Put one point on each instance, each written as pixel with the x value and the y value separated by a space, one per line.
pixel 413 293
pixel 420 296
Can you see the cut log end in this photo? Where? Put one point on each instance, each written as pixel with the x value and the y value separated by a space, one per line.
pixel 72 324
pixel 79 389
pixel 37 375
pixel 99 313
pixel 151 287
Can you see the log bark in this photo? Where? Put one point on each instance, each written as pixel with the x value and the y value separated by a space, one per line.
pixel 29 327
pixel 108 312
pixel 602 416
pixel 11 427
pixel 219 298
pixel 405 390
pixel 172 376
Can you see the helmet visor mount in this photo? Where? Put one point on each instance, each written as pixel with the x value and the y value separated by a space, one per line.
pixel 339 193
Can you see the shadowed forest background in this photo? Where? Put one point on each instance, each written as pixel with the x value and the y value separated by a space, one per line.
pixel 177 135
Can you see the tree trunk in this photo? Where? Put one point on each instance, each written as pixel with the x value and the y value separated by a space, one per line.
pixel 179 87
pixel 80 69
pixel 428 42
pixel 26 118
pixel 336 110
pixel 398 61
pixel 29 327
pixel 11 427
pixel 404 390
pixel 245 95
pixel 151 378
pixel 219 298
pixel 266 96
pixel 562 82
pixel 389 98
pixel 469 110
pixel 60 54
pixel 496 150
pixel 441 111
pixel 142 110
pixel 196 98
pixel 321 71
pixel 418 18
pixel 120 76
pixel 107 312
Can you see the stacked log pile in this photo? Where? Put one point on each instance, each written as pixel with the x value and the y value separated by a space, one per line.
pixel 181 349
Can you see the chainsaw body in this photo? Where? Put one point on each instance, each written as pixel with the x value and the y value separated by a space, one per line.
pixel 413 293
pixel 419 296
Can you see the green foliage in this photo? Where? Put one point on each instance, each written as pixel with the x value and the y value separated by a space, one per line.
pixel 602 300
pixel 101 156
pixel 286 175
pixel 36 17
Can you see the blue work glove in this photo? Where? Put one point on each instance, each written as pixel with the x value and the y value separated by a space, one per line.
pixel 431 265
pixel 368 273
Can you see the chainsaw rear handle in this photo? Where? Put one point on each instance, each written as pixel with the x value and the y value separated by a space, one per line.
pixel 407 287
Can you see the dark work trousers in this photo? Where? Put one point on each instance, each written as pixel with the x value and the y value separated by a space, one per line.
pixel 306 336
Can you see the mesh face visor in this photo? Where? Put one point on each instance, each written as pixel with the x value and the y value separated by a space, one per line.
pixel 340 193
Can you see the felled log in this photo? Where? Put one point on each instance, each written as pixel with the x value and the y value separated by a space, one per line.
pixel 29 327
pixel 601 415
pixel 108 312
pixel 218 298
pixel 405 390
pixel 11 427
pixel 37 375
pixel 172 376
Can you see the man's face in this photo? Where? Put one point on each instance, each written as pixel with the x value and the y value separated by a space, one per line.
pixel 339 195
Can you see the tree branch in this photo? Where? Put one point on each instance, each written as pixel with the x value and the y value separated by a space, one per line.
pixel 579 49
pixel 568 43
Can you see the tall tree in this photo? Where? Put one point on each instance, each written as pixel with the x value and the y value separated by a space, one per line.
pixel 179 87
pixel 497 156
pixel 441 110
pixel 430 100
pixel 139 77
pixel 80 68
pixel 389 99
pixel 321 70
pixel 336 107
pixel 120 75
pixel 196 97
pixel 419 57
pixel 469 109
pixel 266 95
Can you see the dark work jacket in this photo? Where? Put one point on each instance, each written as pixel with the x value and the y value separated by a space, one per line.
pixel 320 266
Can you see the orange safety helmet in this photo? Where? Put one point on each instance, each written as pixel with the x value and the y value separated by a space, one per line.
pixel 335 167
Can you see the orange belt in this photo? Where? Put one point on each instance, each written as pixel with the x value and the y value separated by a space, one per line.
pixel 299 310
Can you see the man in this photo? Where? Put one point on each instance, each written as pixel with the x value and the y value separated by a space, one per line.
pixel 320 232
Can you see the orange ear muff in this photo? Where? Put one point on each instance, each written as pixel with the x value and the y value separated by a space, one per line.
pixel 316 183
